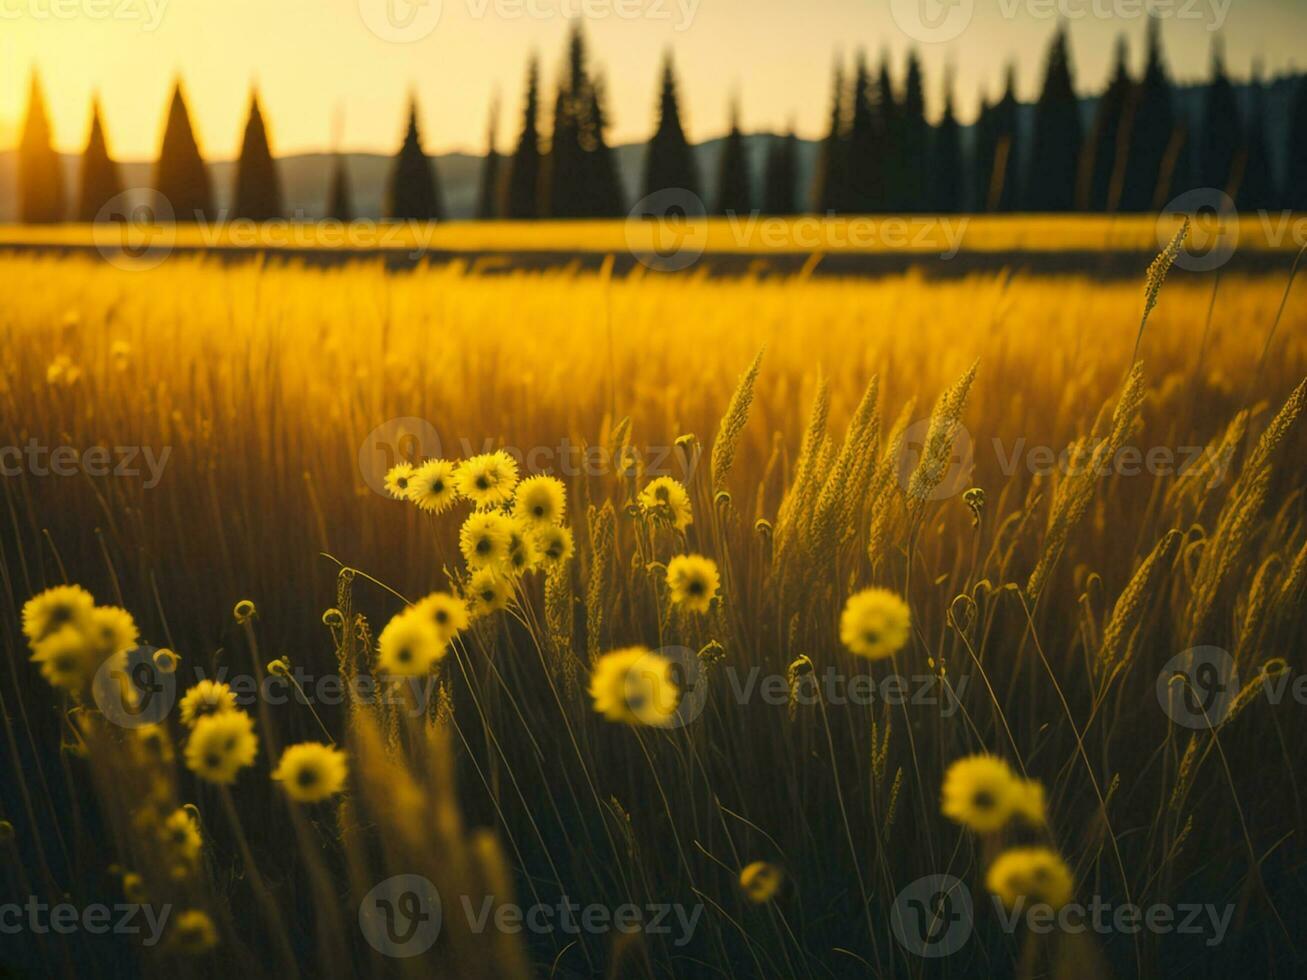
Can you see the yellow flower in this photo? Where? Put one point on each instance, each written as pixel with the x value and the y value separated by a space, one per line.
pixel 693 581
pixel 1035 874
pixel 64 658
pixel 409 646
pixel 487 591
pixel 522 553
pixel 193 932
pixel 311 772
pixel 875 623
pixel 635 686
pixel 221 746
pixel 51 610
pixel 540 500
pixel 980 792
pixel 431 486
pixel 665 500
pixel 554 544
pixel 483 539
pixel 1028 802
pixel 487 480
pixel 447 612
pixel 206 698
pixel 112 631
pixel 243 611
pixel 397 480
pixel 761 881
pixel 134 888
pixel 182 836
pixel 166 661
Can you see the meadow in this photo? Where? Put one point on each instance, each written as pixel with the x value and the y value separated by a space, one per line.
pixel 1052 503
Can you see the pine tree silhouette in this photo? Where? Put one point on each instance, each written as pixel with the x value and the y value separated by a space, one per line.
pixel 1151 167
pixel 946 191
pixel 1058 136
pixel 100 180
pixel 894 164
pixel 1223 138
pixel 522 185
pixel 413 190
pixel 1004 182
pixel 40 171
pixel 734 188
pixel 180 176
pixel 257 196
pixel 780 183
pixel 608 198
pixel 984 146
pixel 567 188
pixel 1110 134
pixel 914 137
pixel 488 190
pixel 669 162
pixel 1255 186
pixel 829 183
pixel 1295 184
pixel 865 144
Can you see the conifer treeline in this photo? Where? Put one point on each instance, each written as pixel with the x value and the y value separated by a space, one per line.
pixel 879 155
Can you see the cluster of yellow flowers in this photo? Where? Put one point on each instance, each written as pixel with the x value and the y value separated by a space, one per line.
pixel 982 793
pixel 71 637
pixel 417 639
pixel 516 525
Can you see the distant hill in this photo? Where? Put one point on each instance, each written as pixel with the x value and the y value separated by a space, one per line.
pixel 305 176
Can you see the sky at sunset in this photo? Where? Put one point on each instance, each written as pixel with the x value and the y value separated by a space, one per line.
pixel 311 58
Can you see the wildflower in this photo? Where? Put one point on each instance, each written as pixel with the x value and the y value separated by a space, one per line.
pixel 333 618
pixel 62 371
pixel 397 480
pixel 165 661
pixel 540 500
pixel 243 611
pixel 64 605
pixel 409 646
pixel 1035 874
pixel 447 612
pixel 693 580
pixel 554 544
pixel 761 881
pixel 152 743
pixel 634 686
pixel 666 500
pixel 483 539
pixel 488 480
pixel 980 792
pixel 182 836
pixel 206 698
pixel 112 631
pixel 64 658
pixel 522 553
pixel 1028 802
pixel 431 486
pixel 311 772
pixel 193 932
pixel 874 623
pixel 221 745
pixel 487 592
pixel 134 888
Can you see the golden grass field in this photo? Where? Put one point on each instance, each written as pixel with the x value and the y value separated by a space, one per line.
pixel 1042 612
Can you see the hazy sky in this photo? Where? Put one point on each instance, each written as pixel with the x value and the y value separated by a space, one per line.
pixel 312 57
